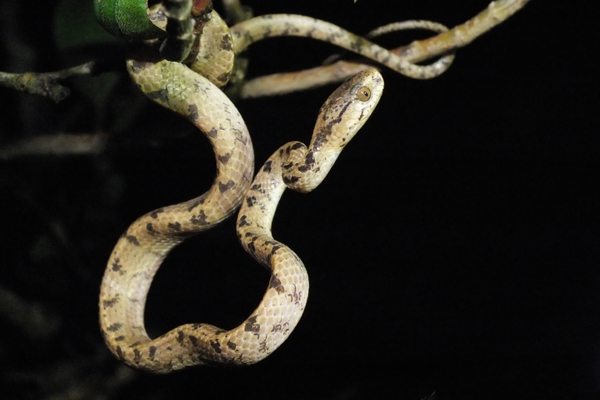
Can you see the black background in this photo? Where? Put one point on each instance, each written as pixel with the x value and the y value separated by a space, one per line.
pixel 453 248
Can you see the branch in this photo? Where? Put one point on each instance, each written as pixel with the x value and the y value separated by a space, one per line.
pixel 462 35
pixel 459 36
pixel 55 145
pixel 47 84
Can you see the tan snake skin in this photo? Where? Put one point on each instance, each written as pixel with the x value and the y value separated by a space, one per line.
pixel 141 249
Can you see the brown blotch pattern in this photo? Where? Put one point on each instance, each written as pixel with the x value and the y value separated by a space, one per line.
pixel 151 352
pixel 267 167
pixel 224 158
pixel 275 283
pixel 160 96
pixel 193 112
pixel 151 230
pixel 216 346
pixel 137 355
pixel 199 219
pixel 226 43
pixel 154 214
pixel 251 201
pixel 180 338
pixel 251 325
pixel 243 221
pixel 110 303
pixel 223 187
pixel 115 327
pixel 174 226
pixel 224 77
pixel 116 267
pixel 196 202
pixel 133 240
pixel 290 180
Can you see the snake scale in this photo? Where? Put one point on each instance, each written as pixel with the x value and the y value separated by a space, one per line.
pixel 142 248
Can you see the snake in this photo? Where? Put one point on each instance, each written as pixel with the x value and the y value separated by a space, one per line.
pixel 145 244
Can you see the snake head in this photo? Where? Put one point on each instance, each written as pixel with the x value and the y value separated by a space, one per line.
pixel 347 109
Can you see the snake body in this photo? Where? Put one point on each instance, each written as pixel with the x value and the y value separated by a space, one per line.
pixel 142 248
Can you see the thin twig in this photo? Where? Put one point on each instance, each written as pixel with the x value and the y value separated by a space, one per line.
pixel 55 145
pixel 47 84
pixel 462 35
pixel 459 36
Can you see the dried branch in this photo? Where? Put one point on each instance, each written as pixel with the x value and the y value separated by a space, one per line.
pixel 47 84
pixel 462 35
pixel 55 145
pixel 459 36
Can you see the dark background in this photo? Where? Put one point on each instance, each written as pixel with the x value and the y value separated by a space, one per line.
pixel 453 248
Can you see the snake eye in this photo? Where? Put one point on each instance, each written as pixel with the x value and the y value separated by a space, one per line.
pixel 363 93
